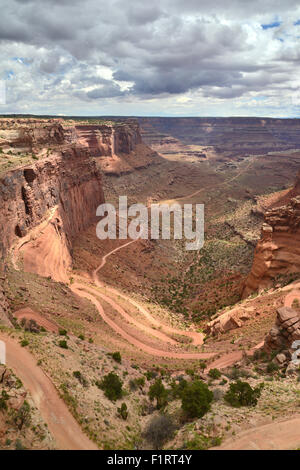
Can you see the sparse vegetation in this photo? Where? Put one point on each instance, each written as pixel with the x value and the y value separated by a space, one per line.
pixel 158 392
pixel 242 394
pixel 196 399
pixel 159 430
pixel 112 386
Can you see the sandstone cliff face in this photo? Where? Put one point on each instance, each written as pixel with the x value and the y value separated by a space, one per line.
pixel 68 180
pixel 237 135
pixel 118 148
pixel 44 204
pixel 278 251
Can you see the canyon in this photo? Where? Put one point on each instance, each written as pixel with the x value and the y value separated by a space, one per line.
pixel 149 299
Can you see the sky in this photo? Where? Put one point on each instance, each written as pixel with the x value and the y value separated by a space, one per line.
pixel 151 58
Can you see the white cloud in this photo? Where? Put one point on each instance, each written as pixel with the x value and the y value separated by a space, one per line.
pixel 166 57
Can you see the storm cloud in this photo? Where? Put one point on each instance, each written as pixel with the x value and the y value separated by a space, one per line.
pixel 171 57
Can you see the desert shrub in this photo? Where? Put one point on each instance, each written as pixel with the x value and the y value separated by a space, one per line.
pixel 63 344
pixel 190 372
pixel 201 442
pixel 3 400
pixel 242 394
pixel 157 391
pixel 117 357
pixel 19 445
pixel 62 332
pixel 78 375
pixel 112 386
pixel 196 399
pixel 24 343
pixel 178 388
pixel 81 336
pixel 134 384
pixel 159 430
pixel 272 367
pixel 123 411
pixel 214 373
pixel 22 416
pixel 236 373
pixel 150 374
pixel 68 398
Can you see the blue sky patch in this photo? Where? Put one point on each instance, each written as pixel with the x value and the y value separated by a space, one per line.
pixel 275 24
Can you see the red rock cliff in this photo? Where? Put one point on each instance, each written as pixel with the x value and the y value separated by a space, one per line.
pixel 278 251
pixel 45 204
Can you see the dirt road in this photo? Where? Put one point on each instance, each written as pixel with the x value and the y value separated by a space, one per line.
pixel 61 424
pixel 280 435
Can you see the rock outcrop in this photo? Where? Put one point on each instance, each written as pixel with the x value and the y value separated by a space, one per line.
pixel 229 320
pixel 118 147
pixel 277 254
pixel 284 334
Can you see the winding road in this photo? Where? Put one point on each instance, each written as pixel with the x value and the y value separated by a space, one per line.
pixel 62 425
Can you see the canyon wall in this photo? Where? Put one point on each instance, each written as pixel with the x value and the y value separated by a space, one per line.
pixel 118 147
pixel 62 191
pixel 237 135
pixel 47 201
pixel 278 252
pixel 109 140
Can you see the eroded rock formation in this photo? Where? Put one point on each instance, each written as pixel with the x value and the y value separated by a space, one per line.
pixel 277 254
pixel 284 334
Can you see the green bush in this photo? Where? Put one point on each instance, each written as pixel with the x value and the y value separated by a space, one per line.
pixel 196 399
pixel 242 394
pixel 214 373
pixel 22 416
pixel 117 357
pixel 157 391
pixel 272 367
pixel 24 343
pixel 62 332
pixel 177 389
pixel 123 411
pixel 112 386
pixel 3 400
pixel 63 344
